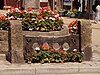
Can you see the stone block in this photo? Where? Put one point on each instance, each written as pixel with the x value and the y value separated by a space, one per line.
pixel 86 39
pixel 15 40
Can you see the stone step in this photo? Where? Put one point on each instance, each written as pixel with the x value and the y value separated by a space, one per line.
pixel 2 57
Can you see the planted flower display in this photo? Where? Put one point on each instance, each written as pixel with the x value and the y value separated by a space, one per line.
pixel 74 13
pixel 73 27
pixel 4 23
pixel 45 20
pixel 45 54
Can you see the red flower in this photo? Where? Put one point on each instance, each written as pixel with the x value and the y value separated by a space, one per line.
pixel 61 51
pixel 51 50
pixel 70 24
pixel 45 47
pixel 2 17
pixel 30 9
pixel 27 18
pixel 21 11
pixel 40 11
pixel 12 10
pixel 74 22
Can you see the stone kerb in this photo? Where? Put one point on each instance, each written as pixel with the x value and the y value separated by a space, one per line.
pixel 86 39
pixel 15 40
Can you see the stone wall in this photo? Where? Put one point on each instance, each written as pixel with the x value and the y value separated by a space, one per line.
pixel 3 41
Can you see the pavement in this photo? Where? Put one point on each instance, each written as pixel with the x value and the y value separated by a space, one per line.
pixel 53 68
pixel 70 68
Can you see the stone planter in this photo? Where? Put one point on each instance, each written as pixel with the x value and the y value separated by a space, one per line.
pixel 57 40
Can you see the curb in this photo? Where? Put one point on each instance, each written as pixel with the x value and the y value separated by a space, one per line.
pixel 53 68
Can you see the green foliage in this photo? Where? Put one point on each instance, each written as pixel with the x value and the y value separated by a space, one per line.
pixel 4 24
pixel 73 13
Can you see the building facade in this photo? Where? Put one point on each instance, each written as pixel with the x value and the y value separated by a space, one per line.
pixel 85 5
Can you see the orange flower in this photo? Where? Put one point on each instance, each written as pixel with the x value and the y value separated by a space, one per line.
pixel 40 17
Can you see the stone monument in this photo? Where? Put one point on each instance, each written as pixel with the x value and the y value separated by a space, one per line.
pixel 30 4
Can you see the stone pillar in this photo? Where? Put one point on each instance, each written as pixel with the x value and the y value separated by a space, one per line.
pixel 86 39
pixel 15 41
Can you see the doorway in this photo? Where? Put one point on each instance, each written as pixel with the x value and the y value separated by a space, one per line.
pixel 1 4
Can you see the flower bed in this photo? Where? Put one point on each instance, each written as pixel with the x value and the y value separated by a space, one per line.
pixel 45 54
pixel 74 14
pixel 73 27
pixel 46 20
